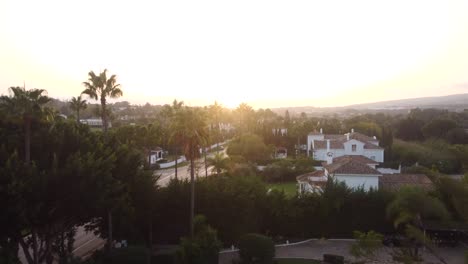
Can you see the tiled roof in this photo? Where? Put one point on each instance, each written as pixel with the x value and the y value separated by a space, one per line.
pixel 314 179
pixel 334 136
pixel 394 182
pixel 322 144
pixel 360 137
pixel 305 177
pixel 368 145
pixel 338 144
pixel 350 166
pixel 358 158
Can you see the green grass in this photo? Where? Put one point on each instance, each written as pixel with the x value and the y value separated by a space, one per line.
pixel 289 188
pixel 297 261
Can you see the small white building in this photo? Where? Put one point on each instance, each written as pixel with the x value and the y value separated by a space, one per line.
pixel 322 146
pixel 155 155
pixel 94 122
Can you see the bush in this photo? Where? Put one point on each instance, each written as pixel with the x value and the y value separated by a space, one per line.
pixel 203 248
pixel 256 249
pixel 333 259
pixel 132 254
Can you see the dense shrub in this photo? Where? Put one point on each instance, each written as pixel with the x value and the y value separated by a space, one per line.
pixel 256 249
pixel 333 259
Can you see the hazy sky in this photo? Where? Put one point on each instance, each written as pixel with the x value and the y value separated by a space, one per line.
pixel 266 53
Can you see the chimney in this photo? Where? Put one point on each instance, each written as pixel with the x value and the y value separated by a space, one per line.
pixel 352 130
pixel 329 154
pixel 375 137
pixel 321 131
pixel 399 168
pixel 347 136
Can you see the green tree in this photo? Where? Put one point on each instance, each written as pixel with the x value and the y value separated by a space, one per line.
pixel 410 129
pixel 99 87
pixel 366 244
pixel 408 209
pixel 27 105
pixel 251 147
pixel 202 248
pixel 256 249
pixel 438 128
pixel 190 128
pixel 77 104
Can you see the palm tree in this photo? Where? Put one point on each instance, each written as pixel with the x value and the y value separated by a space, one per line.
pixel 190 128
pixel 408 209
pixel 99 87
pixel 28 105
pixel 176 106
pixel 215 112
pixel 219 163
pixel 77 104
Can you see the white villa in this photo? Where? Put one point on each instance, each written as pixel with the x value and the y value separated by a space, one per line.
pixel 328 146
pixel 358 171
pixel 355 171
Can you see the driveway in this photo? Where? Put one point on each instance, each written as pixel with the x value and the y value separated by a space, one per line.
pixel 314 249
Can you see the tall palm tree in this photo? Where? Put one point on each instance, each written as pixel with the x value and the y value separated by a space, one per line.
pixel 99 87
pixel 27 105
pixel 215 112
pixel 77 104
pixel 176 107
pixel 190 128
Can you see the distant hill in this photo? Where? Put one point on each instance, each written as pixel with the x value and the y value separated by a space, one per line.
pixel 448 101
pixel 455 102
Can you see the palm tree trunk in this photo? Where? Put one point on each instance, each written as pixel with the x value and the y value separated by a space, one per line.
pixel 150 241
pixel 34 245
pixel 27 140
pixel 109 223
pixel 104 114
pixel 78 116
pixel 192 194
pixel 176 160
pixel 206 167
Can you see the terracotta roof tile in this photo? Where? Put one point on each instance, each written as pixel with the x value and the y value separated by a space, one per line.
pixel 350 166
pixel 304 177
pixel 358 158
pixel 394 182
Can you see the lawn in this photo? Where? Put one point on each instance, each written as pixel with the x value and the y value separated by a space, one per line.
pixel 297 261
pixel 289 188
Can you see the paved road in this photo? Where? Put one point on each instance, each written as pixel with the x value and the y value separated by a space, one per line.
pixel 182 173
pixel 316 248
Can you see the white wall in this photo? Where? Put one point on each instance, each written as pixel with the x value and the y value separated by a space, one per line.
pixel 356 181
pixel 321 154
pixel 311 138
pixel 377 153
pixel 349 145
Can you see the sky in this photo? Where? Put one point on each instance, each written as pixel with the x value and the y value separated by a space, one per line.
pixel 264 53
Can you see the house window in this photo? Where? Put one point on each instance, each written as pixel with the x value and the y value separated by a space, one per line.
pixel 372 157
pixel 353 148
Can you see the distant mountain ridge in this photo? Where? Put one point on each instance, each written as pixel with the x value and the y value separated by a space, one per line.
pixel 454 102
pixel 434 101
